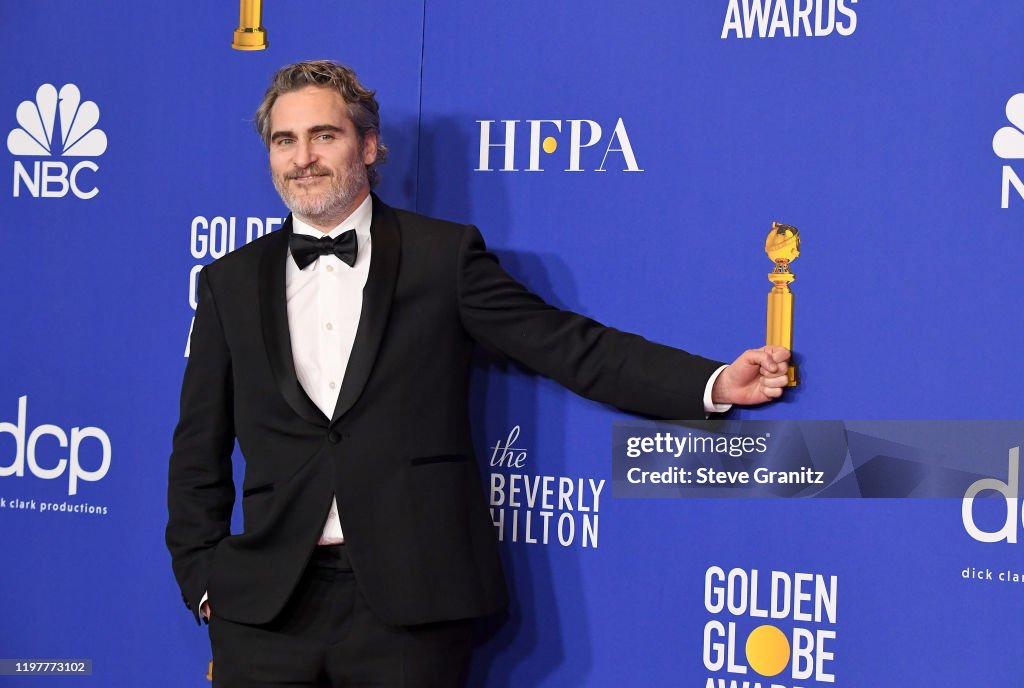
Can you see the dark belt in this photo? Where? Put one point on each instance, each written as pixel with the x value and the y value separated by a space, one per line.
pixel 333 557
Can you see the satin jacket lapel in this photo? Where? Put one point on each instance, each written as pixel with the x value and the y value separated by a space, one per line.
pixel 377 296
pixel 274 319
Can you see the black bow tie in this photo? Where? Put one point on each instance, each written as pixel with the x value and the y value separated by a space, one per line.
pixel 305 249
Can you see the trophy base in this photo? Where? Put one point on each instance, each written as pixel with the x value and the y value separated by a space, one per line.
pixel 250 39
pixel 794 380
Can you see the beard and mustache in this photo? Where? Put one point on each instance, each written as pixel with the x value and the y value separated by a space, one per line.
pixel 323 206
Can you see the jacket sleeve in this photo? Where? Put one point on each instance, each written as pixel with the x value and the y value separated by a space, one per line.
pixel 597 362
pixel 200 489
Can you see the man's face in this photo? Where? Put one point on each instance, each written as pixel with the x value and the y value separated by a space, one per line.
pixel 317 161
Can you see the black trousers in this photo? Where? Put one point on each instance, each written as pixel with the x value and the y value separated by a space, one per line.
pixel 327 636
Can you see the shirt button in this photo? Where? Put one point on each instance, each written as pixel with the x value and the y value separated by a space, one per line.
pixel 329 326
pixel 330 268
pixel 332 385
pixel 334 438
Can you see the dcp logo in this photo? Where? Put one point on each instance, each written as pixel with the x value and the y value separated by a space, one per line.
pixel 26 450
pixel 1008 144
pixel 1010 490
pixel 36 136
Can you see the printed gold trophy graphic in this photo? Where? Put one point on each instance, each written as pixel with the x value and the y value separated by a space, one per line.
pixel 783 247
pixel 250 34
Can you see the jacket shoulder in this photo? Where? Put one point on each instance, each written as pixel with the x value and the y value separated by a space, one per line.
pixel 245 257
pixel 432 227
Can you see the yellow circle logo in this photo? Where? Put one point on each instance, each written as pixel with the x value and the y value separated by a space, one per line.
pixel 767 650
pixel 550 144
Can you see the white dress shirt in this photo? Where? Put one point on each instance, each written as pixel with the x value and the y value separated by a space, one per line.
pixel 324 303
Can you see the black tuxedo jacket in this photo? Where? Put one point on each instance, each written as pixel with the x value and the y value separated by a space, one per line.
pixel 397 451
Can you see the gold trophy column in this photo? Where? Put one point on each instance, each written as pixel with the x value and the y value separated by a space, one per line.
pixel 250 34
pixel 782 246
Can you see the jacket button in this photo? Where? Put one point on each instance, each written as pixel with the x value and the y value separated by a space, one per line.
pixel 334 438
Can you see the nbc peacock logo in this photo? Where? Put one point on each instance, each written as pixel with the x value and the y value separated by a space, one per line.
pixel 36 136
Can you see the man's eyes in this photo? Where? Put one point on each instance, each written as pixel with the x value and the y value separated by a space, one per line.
pixel 287 141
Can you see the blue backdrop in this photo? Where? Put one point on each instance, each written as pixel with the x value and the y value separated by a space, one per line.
pixel 625 161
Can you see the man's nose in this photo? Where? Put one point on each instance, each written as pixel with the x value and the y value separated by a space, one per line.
pixel 304 154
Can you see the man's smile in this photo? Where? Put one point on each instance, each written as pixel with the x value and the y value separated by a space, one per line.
pixel 307 179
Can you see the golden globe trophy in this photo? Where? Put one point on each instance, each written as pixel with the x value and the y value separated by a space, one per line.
pixel 783 247
pixel 250 34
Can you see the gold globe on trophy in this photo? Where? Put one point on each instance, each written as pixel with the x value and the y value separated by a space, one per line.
pixel 782 247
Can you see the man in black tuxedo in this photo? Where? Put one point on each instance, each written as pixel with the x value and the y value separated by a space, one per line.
pixel 336 351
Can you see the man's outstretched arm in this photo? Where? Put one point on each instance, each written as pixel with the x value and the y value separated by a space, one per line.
pixel 595 361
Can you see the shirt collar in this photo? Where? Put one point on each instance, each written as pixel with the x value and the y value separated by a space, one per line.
pixel 358 220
